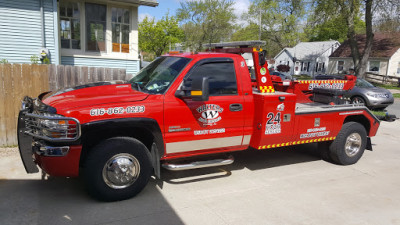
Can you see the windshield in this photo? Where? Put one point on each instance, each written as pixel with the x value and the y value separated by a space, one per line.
pixel 363 83
pixel 158 75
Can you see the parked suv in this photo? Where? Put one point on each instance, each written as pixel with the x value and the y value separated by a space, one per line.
pixel 364 93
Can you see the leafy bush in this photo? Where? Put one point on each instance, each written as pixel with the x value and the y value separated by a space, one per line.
pixel 46 60
pixel 34 59
pixel 283 68
pixel 3 61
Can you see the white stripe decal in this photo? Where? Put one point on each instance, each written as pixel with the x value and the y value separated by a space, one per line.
pixel 246 139
pixel 186 146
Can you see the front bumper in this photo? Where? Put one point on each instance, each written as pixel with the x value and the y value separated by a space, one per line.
pixel 380 103
pixel 25 145
pixel 48 140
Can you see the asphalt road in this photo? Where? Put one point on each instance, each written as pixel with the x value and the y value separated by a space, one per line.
pixel 394 108
pixel 282 186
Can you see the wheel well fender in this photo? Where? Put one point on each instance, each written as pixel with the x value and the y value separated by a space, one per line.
pixel 359 119
pixel 145 130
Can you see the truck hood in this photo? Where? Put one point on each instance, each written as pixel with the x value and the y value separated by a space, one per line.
pixel 92 94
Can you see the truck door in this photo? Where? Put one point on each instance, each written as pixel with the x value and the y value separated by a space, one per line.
pixel 213 125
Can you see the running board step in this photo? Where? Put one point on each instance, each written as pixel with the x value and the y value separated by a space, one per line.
pixel 198 164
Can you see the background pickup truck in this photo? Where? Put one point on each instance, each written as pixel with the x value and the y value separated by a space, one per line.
pixel 179 109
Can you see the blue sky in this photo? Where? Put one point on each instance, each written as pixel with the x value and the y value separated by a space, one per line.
pixel 158 12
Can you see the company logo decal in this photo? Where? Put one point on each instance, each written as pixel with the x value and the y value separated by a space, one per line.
pixel 273 125
pixel 338 86
pixel 263 79
pixel 210 114
pixel 281 107
pixel 213 131
pixel 315 132
pixel 263 71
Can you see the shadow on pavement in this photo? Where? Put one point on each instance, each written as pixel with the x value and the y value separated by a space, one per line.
pixel 64 201
pixel 250 159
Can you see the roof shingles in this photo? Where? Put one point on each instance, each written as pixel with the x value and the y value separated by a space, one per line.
pixel 383 46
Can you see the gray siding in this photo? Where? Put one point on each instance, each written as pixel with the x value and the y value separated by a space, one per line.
pixel 20 30
pixel 131 66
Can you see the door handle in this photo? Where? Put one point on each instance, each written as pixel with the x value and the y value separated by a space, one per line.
pixel 235 107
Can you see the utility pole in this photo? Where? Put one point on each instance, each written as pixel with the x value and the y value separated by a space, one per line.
pixel 259 34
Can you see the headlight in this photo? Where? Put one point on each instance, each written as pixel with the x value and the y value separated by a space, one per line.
pixel 52 127
pixel 379 95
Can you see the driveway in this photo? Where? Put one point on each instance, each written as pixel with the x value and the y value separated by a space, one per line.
pixel 282 186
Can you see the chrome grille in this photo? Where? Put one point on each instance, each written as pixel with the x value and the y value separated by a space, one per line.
pixel 52 127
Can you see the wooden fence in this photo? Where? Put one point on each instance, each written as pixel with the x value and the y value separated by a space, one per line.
pixel 382 79
pixel 19 80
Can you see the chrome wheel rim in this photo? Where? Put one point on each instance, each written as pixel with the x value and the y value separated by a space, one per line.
pixel 121 171
pixel 353 144
pixel 358 101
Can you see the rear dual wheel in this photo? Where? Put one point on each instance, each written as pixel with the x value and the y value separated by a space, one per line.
pixel 348 147
pixel 117 169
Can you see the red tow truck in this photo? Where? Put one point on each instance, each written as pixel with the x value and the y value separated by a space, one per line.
pixel 181 109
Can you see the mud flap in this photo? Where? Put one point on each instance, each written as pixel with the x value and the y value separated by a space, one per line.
pixel 369 144
pixel 155 158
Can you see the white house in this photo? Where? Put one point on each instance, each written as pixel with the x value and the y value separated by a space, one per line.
pixel 96 33
pixel 383 60
pixel 309 58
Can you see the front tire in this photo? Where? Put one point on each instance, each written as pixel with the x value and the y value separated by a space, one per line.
pixel 358 100
pixel 117 169
pixel 349 145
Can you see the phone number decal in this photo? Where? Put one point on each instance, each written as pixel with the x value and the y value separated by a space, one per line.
pixel 117 110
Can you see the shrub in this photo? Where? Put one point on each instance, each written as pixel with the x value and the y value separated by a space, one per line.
pixel 283 68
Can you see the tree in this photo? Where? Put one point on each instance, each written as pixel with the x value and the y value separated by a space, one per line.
pixel 206 21
pixel 156 37
pixel 281 22
pixel 351 10
pixel 334 28
pixel 387 18
pixel 247 33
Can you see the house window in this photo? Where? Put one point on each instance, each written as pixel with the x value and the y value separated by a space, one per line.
pixel 70 25
pixel 320 67
pixel 95 27
pixel 340 66
pixel 398 68
pixel 120 30
pixel 374 66
pixel 305 66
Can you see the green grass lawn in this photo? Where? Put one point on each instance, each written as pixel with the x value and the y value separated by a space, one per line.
pixel 387 86
pixel 378 113
pixel 302 77
pixel 396 95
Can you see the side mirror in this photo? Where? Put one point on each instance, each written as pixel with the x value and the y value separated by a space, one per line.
pixel 261 57
pixel 198 92
pixel 200 89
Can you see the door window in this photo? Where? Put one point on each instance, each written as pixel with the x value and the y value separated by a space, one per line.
pixel 222 77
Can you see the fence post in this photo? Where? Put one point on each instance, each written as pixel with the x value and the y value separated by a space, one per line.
pixel 3 134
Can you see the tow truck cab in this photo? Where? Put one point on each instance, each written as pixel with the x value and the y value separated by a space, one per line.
pixel 181 106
